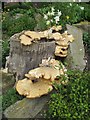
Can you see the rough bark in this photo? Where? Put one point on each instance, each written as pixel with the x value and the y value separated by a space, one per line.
pixel 24 58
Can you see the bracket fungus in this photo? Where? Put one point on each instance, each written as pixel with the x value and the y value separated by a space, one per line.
pixel 48 73
pixel 61 51
pixel 32 90
pixel 39 81
pixel 57 28
pixel 25 40
pixel 49 70
pixel 57 36
pixel 62 40
pixel 33 35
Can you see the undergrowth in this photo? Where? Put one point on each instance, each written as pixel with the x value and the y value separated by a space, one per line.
pixel 71 102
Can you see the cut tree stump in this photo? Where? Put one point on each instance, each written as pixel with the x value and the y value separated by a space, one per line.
pixel 28 48
pixel 24 58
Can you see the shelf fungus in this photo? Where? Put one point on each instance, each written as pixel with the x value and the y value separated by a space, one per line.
pixel 62 40
pixel 25 40
pixel 62 44
pixel 57 28
pixel 61 51
pixel 39 81
pixel 33 35
pixel 34 89
pixel 57 36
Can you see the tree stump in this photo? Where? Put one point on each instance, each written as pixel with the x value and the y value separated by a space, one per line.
pixel 28 48
pixel 24 58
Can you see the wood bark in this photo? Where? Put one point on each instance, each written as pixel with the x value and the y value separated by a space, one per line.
pixel 24 58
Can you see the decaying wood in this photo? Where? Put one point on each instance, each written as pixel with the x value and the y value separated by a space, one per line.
pixel 24 58
pixel 28 48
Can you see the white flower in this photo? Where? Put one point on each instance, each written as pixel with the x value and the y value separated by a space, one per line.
pixel 59 13
pixel 70 4
pixel 56 19
pixel 65 75
pixel 52 13
pixel 52 9
pixel 48 22
pixel 45 17
pixel 79 1
pixel 51 20
pixel 48 13
pixel 82 8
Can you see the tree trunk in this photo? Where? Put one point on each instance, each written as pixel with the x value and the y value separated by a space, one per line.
pixel 24 58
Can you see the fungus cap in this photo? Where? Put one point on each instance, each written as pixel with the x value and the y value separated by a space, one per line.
pixel 25 40
pixel 57 28
pixel 57 36
pixel 32 90
pixel 48 73
pixel 33 35
pixel 61 51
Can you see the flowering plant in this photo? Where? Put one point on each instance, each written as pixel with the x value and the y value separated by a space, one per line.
pixel 52 17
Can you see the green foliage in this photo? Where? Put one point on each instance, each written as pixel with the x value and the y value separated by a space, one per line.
pixel 86 40
pixel 10 98
pixel 17 10
pixel 5 51
pixel 87 11
pixel 29 11
pixel 71 101
pixel 71 12
pixel 18 5
pixel 41 25
pixel 12 26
